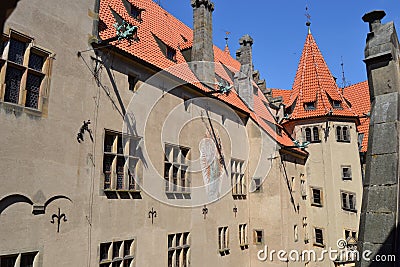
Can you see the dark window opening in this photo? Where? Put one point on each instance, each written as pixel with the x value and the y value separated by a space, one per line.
pixel 136 12
pixel 319 237
pixel 36 62
pixel 13 82
pixel 171 53
pixel 132 81
pixel 309 106
pixel 17 51
pixel 317 197
pixel 346 173
pixel 308 135
pixel 315 134
pixel 33 83
pixel 337 104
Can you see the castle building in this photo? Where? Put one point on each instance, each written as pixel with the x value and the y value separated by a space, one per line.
pixel 129 139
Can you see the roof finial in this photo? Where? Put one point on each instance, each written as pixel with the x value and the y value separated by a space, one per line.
pixel 226 42
pixel 308 23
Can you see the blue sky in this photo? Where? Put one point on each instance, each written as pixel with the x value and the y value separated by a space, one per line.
pixel 279 31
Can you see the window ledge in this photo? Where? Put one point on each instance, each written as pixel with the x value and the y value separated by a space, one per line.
pixel 12 106
pixel 343 141
pixel 319 245
pixel 347 178
pixel 129 257
pixel 317 205
pixel 33 111
pixel 349 210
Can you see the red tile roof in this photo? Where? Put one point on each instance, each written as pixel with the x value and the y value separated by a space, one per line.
pixel 285 94
pixel 358 95
pixel 158 22
pixel 315 83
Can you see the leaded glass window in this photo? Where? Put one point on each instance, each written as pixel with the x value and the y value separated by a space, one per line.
pixel 17 51
pixel 32 90
pixel 36 62
pixel 13 82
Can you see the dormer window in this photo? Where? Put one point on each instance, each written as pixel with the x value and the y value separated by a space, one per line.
pixel 136 12
pixel 309 106
pixel 171 53
pixel 337 104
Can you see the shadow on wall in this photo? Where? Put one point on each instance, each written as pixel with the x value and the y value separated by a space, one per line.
pixel 6 9
pixel 382 254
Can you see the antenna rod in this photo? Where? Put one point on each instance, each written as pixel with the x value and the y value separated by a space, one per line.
pixel 343 75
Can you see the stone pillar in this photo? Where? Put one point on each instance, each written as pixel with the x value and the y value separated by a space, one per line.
pixel 243 79
pixel 380 208
pixel 203 47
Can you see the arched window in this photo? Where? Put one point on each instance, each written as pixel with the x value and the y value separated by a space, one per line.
pixel 345 134
pixel 338 133
pixel 315 134
pixel 308 135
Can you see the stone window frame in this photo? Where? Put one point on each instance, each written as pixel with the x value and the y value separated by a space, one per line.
pixel 178 249
pixel 243 236
pixel 176 157
pixel 17 259
pixel 321 196
pixel 343 172
pixel 26 70
pixel 223 240
pixel 123 148
pixel 311 134
pixel 295 233
pixel 258 236
pixel 115 252
pixel 238 178
pixel 318 241
pixel 348 201
pixel 343 133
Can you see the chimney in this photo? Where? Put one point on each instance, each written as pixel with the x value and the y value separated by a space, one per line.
pixel 374 19
pixel 244 78
pixel 203 48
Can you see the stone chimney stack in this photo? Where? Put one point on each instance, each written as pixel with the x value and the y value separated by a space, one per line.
pixel 203 47
pixel 244 79
pixel 379 219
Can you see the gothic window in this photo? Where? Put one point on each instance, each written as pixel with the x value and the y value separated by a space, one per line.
pixel 117 253
pixel 237 178
pixel 308 135
pixel 312 134
pixel 342 134
pixel 175 168
pixel 27 259
pixel 223 239
pixel 121 163
pixel 243 240
pixel 178 249
pixel 27 67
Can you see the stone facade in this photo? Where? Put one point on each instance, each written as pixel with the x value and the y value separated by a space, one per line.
pixel 379 217
pixel 65 201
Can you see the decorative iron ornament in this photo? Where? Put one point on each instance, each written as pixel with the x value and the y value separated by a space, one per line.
pixel 152 215
pixel 84 127
pixel 235 210
pixel 205 211
pixel 125 31
pixel 60 217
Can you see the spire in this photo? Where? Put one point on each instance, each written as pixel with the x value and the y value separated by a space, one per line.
pixel 226 43
pixel 308 23
pixel 315 92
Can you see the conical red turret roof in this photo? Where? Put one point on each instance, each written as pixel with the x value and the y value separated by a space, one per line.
pixel 315 92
